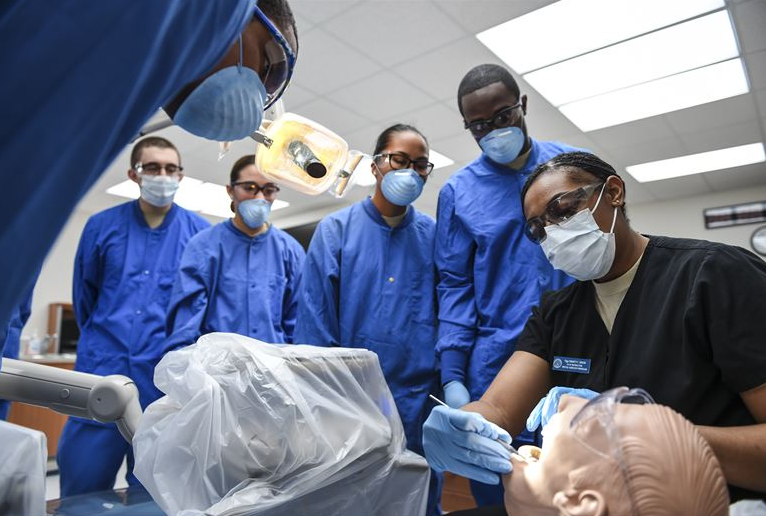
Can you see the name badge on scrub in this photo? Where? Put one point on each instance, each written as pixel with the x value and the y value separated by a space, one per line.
pixel 571 365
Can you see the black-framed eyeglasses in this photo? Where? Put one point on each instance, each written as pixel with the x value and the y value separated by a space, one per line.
pixel 252 188
pixel 504 118
pixel 399 161
pixel 154 169
pixel 558 210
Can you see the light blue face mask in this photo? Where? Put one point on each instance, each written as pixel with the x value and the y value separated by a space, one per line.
pixel 503 145
pixel 402 187
pixel 226 106
pixel 254 212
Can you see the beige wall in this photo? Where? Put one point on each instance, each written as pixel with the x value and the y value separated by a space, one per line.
pixel 681 218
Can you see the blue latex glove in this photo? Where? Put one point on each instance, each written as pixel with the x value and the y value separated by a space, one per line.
pixel 549 405
pixel 456 395
pixel 464 443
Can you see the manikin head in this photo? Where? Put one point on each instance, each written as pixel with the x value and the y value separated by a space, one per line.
pixel 607 458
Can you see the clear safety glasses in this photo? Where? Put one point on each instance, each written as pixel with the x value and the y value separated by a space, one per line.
pixel 558 210
pixel 594 427
pixel 279 61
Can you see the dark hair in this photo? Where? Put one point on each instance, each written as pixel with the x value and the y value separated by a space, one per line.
pixel 151 141
pixel 483 75
pixel 247 159
pixel 385 137
pixel 583 166
pixel 279 12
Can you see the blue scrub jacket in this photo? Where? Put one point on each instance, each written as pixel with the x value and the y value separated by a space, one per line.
pixel 123 276
pixel 230 282
pixel 367 285
pixel 79 81
pixel 490 274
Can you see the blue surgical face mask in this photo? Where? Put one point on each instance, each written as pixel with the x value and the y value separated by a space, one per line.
pixel 254 212
pixel 226 106
pixel 503 145
pixel 402 187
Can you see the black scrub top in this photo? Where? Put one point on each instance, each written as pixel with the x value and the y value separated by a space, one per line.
pixel 691 331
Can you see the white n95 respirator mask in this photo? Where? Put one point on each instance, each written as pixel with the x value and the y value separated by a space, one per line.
pixel 578 247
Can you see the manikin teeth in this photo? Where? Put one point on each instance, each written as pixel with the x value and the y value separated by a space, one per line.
pixel 531 453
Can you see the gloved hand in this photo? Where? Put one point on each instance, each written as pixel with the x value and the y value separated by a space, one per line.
pixel 549 405
pixel 456 395
pixel 464 443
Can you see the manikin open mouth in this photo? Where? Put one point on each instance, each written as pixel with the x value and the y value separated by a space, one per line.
pixel 531 453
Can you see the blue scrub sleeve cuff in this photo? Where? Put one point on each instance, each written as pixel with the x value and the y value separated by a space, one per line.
pixel 453 364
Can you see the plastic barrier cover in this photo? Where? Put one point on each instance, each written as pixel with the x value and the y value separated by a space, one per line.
pixel 253 428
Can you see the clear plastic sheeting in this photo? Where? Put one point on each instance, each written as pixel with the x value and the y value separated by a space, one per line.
pixel 253 428
pixel 23 459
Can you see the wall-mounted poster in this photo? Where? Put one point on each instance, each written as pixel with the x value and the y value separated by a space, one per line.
pixel 748 213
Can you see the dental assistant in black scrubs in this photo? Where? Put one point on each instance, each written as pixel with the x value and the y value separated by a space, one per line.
pixel 683 319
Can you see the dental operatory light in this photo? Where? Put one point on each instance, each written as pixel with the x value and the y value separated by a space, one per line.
pixel 632 58
pixel 194 195
pixel 698 163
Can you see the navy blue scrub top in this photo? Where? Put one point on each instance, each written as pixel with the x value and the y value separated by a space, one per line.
pixel 79 81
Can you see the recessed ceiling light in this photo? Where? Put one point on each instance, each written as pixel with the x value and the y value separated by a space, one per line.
pixel 693 44
pixel 194 195
pixel 570 28
pixel 698 163
pixel 699 86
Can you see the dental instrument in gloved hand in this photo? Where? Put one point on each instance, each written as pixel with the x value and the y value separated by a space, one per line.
pixel 506 445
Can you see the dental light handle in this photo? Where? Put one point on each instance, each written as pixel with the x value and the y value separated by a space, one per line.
pixel 108 399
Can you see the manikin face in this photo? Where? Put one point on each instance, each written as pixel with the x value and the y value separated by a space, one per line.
pixel 538 486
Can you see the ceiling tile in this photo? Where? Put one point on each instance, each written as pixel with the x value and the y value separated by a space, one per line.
pixel 756 69
pixel 750 20
pixel 440 72
pixel 643 152
pixel 462 148
pixel 721 113
pixel 332 116
pixel 382 97
pixel 479 15
pixel 740 177
pixel 295 96
pixel 549 124
pixel 760 100
pixel 326 64
pixel 647 129
pixel 392 32
pixel 364 139
pixel 721 138
pixel 677 187
pixel 317 12
pixel 435 121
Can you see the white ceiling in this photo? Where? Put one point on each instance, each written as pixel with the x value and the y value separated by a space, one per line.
pixel 365 64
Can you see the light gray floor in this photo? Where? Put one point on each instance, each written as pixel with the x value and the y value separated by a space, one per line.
pixel 52 480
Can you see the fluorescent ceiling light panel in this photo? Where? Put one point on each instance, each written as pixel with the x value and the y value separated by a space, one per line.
pixel 700 86
pixel 570 28
pixel 693 44
pixel 194 195
pixel 363 174
pixel 439 160
pixel 698 163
